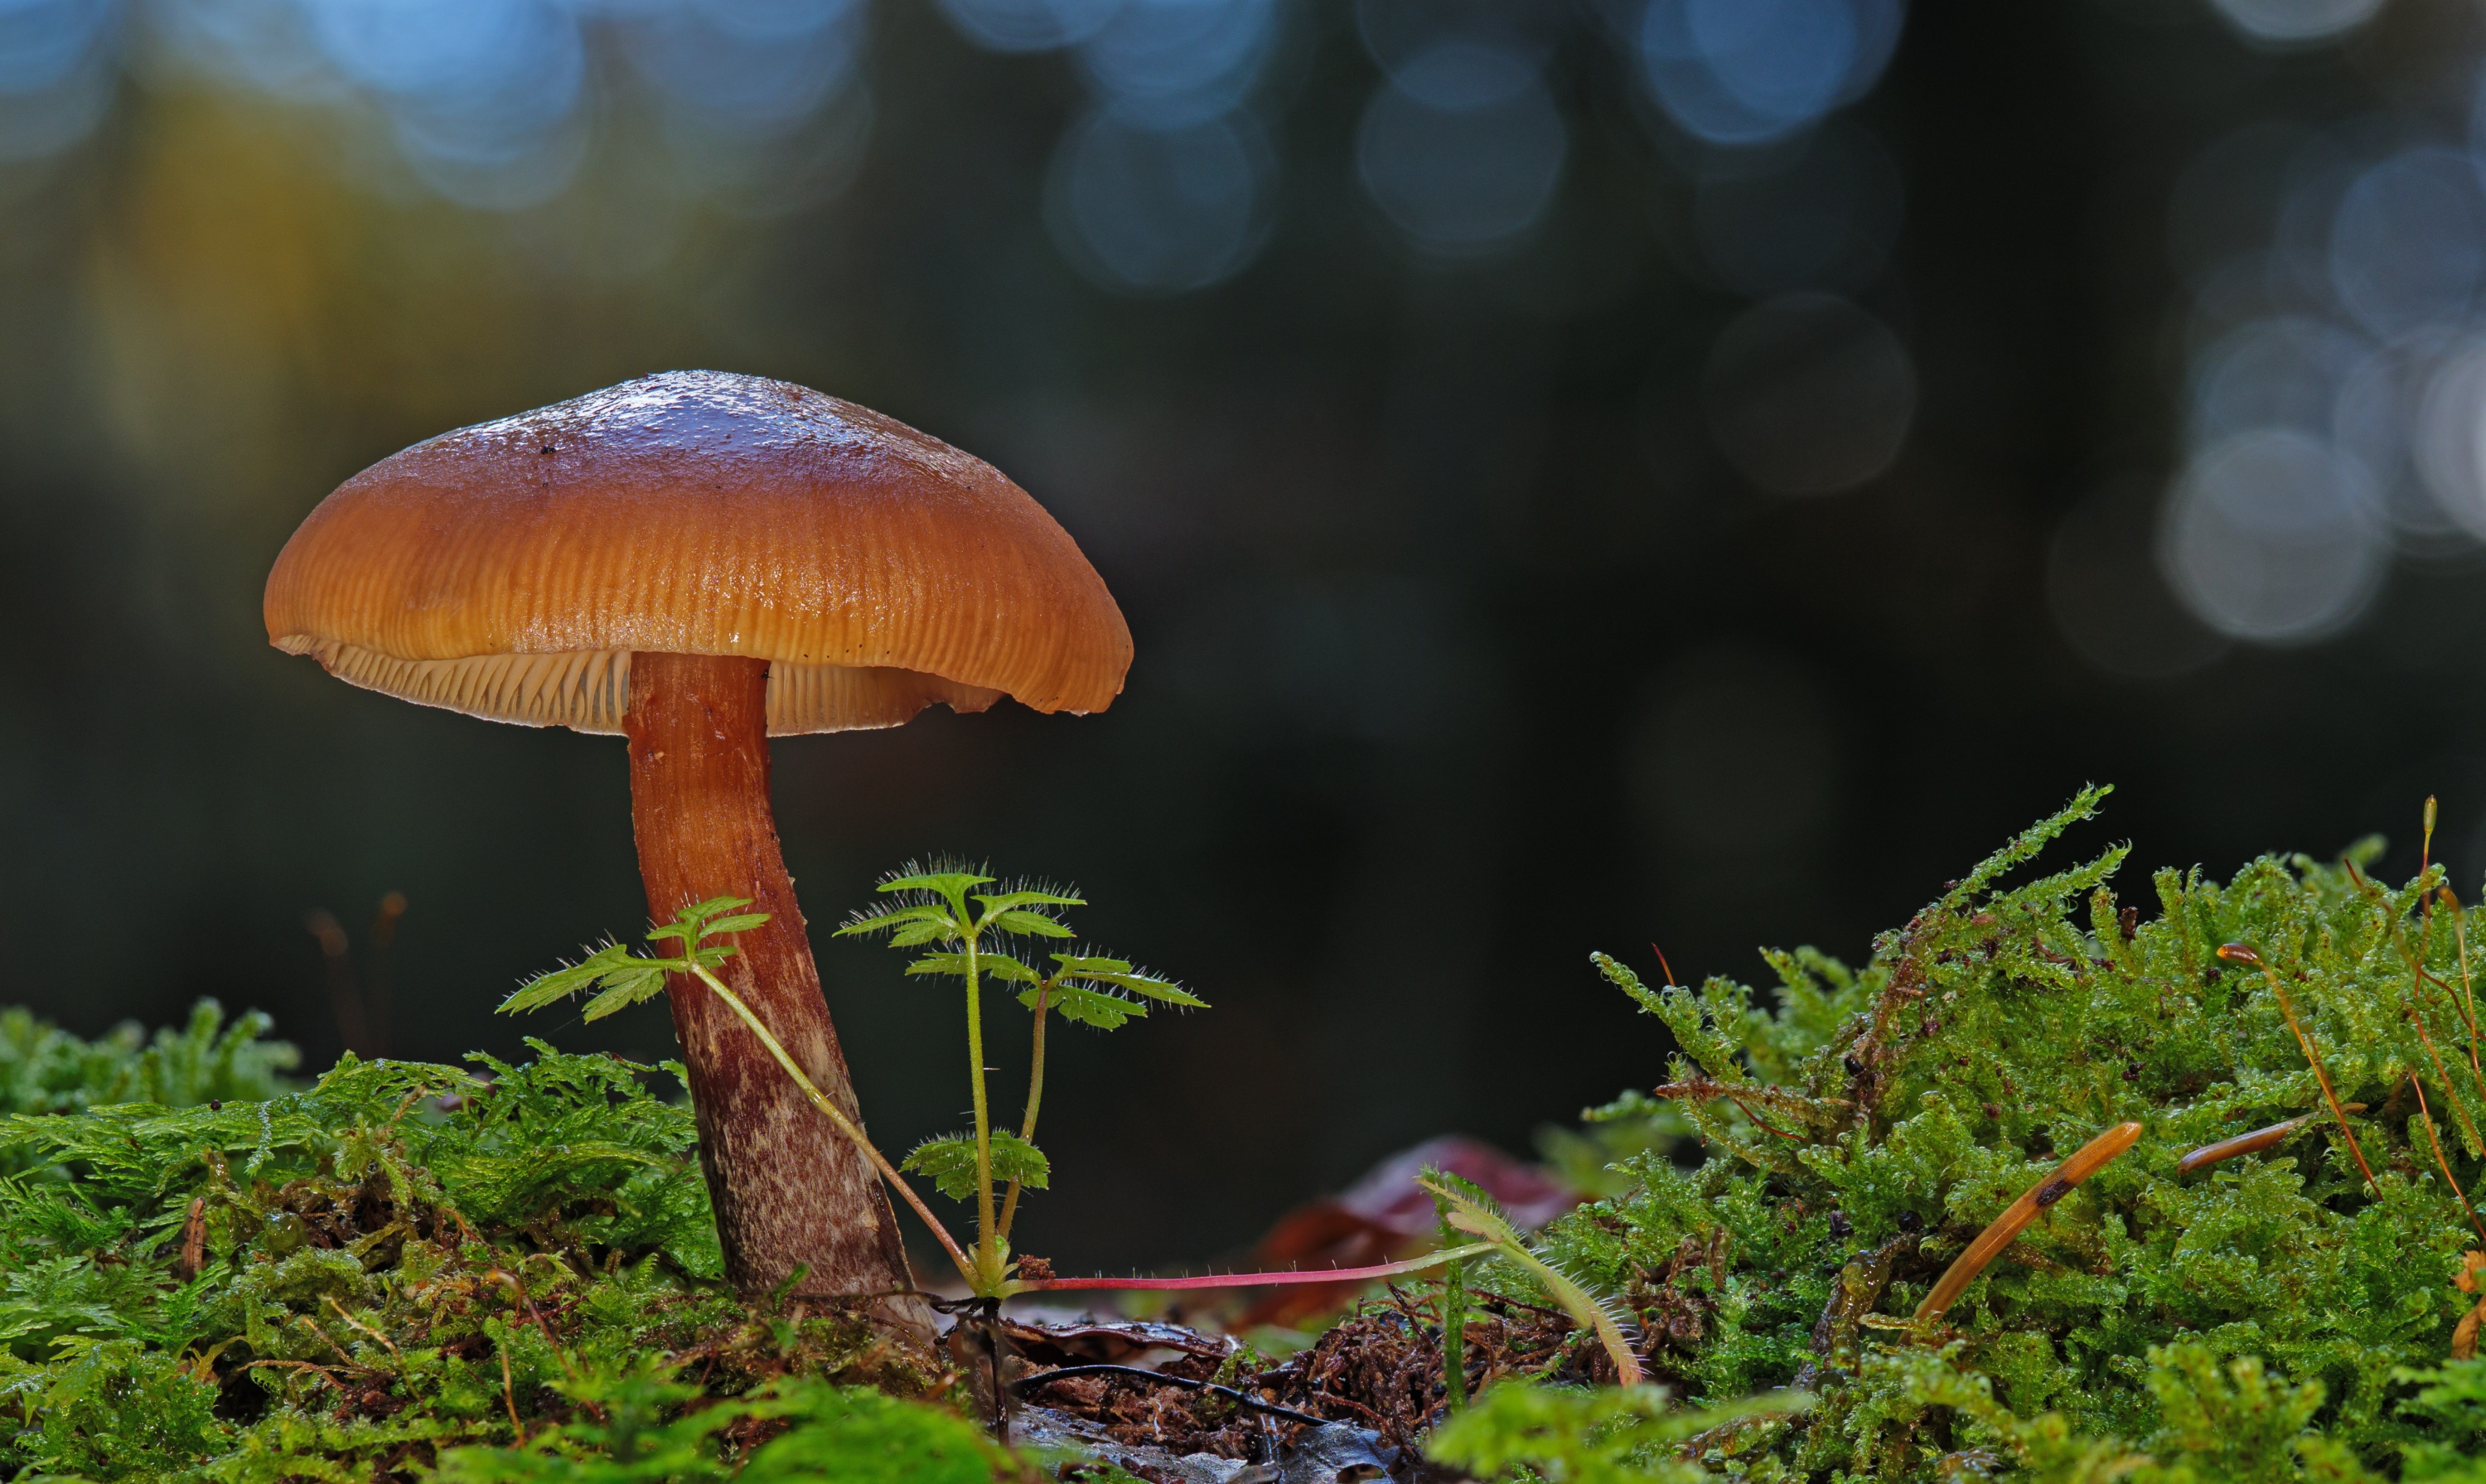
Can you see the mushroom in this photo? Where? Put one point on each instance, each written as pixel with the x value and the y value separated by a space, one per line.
pixel 699 562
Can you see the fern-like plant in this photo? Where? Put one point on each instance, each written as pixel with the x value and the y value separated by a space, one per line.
pixel 974 937
pixel 980 938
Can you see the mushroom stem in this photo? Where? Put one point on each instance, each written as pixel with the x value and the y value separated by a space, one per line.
pixel 789 1191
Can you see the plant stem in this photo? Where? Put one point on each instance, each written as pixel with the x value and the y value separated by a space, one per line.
pixel 2254 1142
pixel 988 1255
pixel 1034 1096
pixel 2243 953
pixel 845 1125
pixel 2469 998
pixel 2436 1140
pixel 1454 1332
pixel 1258 1279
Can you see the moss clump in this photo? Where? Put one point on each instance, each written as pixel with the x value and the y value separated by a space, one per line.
pixel 44 1069
pixel 399 1268
pixel 2249 1320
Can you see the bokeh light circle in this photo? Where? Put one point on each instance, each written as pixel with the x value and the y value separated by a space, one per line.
pixel 49 121
pixel 2109 597
pixel 1462 180
pixel 2374 420
pixel 450 49
pixel 2408 242
pixel 1160 211
pixel 2271 536
pixel 1747 71
pixel 1029 25
pixel 2296 20
pixel 2449 436
pixel 42 42
pixel 1808 395
pixel 736 72
pixel 1168 63
pixel 2284 371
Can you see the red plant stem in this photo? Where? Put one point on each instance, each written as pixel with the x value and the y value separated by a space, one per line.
pixel 2469 998
pixel 1762 1124
pixel 2243 953
pixel 1259 1279
pixel 2443 1164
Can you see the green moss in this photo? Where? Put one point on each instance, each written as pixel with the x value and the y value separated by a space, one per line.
pixel 398 1268
pixel 2222 1318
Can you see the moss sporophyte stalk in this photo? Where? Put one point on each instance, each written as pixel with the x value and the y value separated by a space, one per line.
pixel 2050 1188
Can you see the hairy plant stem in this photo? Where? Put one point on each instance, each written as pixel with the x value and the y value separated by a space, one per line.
pixel 1256 1280
pixel 1034 1096
pixel 988 1259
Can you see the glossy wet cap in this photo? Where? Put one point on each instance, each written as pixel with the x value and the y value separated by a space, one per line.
pixel 509 569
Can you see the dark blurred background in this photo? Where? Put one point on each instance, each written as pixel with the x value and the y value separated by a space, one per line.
pixel 1579 474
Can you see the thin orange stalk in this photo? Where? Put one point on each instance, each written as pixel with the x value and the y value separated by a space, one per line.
pixel 2253 1143
pixel 2467 997
pixel 1762 1124
pixel 2443 1164
pixel 2419 977
pixel 2469 1126
pixel 2091 1158
pixel 2243 953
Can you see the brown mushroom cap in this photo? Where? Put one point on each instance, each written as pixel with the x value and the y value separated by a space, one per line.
pixel 509 569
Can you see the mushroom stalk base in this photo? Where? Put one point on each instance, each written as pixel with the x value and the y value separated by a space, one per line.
pixel 790 1190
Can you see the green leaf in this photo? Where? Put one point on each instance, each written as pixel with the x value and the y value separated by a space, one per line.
pixel 882 922
pixel 1087 1006
pixel 1082 963
pixel 998 965
pixel 1016 1159
pixel 740 923
pixel 1122 976
pixel 1002 902
pixel 624 988
pixel 568 980
pixel 692 923
pixel 940 883
pixel 1021 922
pixel 948 1162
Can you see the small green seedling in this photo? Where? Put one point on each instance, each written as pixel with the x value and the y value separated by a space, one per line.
pixel 965 935
pixel 1466 1208
pixel 970 936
